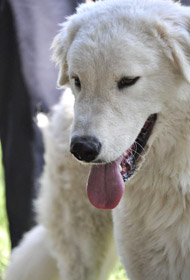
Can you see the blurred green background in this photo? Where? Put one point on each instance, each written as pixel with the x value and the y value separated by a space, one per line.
pixel 4 238
pixel 118 272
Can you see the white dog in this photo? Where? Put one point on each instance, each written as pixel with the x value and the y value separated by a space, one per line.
pixel 128 65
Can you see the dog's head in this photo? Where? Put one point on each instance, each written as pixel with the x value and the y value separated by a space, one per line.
pixel 125 61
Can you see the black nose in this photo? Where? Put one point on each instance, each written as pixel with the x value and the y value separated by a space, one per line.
pixel 85 148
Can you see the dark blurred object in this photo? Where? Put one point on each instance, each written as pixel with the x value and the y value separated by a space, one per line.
pixel 185 2
pixel 27 85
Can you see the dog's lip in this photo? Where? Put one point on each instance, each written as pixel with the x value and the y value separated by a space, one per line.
pixel 132 156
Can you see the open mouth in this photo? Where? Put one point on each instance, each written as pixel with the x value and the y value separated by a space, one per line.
pixel 105 185
pixel 130 157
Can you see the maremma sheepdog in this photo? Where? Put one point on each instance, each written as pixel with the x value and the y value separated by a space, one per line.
pixel 127 63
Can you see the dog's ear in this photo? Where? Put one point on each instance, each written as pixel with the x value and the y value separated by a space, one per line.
pixel 175 36
pixel 61 45
pixel 59 57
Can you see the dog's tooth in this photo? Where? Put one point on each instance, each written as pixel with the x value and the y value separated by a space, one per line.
pixel 120 168
pixel 125 154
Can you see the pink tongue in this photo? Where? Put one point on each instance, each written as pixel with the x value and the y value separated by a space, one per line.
pixel 105 186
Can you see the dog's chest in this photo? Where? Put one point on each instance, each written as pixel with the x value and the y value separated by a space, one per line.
pixel 155 220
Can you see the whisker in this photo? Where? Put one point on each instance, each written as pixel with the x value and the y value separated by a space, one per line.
pixel 136 143
pixel 135 152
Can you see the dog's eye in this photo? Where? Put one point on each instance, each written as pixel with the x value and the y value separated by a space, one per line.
pixel 77 82
pixel 126 82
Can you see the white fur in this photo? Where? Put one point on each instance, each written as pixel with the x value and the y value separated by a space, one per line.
pixel 81 236
pixel 31 259
pixel 102 43
pixel 78 236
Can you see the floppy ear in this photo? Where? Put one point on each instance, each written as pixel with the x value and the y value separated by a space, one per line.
pixel 61 45
pixel 176 38
pixel 59 57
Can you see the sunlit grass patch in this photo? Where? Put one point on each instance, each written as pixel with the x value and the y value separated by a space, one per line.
pixel 4 238
pixel 118 273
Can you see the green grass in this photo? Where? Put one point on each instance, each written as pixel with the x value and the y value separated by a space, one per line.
pixel 117 273
pixel 4 238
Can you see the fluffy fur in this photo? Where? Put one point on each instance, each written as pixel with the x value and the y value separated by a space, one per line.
pixel 79 238
pixel 102 43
